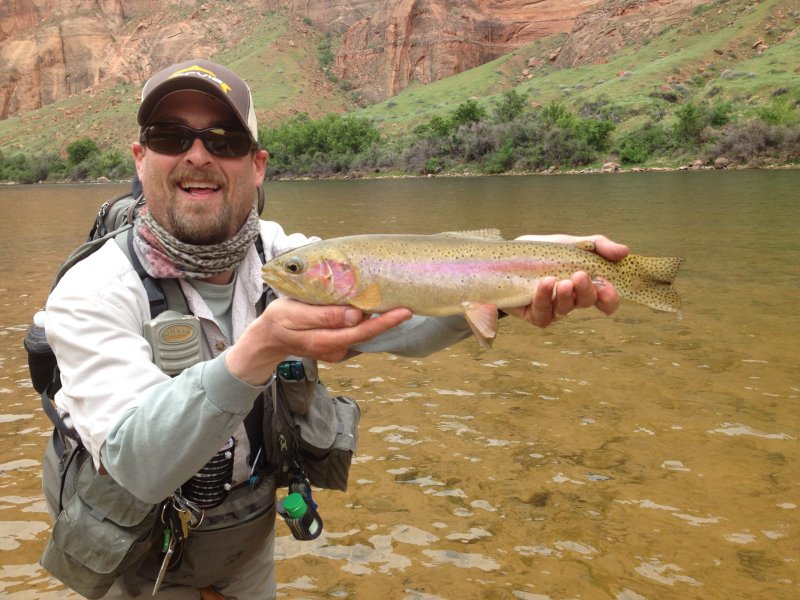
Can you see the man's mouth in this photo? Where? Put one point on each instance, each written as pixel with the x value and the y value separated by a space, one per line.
pixel 198 187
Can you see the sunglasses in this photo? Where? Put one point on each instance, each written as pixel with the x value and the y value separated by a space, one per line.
pixel 173 139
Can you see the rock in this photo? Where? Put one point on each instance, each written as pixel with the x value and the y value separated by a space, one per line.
pixel 721 163
pixel 696 164
pixel 609 167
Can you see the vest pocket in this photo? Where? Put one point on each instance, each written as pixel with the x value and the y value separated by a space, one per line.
pixel 328 440
pixel 89 547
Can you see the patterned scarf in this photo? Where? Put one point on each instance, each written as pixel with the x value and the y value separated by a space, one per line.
pixel 163 256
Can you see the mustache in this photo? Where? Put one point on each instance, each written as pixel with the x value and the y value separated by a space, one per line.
pixel 198 175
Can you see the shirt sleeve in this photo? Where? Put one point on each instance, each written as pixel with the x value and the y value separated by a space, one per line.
pixel 419 336
pixel 174 432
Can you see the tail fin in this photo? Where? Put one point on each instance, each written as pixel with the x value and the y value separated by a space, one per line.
pixel 652 282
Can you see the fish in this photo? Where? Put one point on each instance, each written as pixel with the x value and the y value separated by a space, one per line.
pixel 471 273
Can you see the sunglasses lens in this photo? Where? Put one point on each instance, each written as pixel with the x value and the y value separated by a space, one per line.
pixel 176 139
pixel 226 143
pixel 168 139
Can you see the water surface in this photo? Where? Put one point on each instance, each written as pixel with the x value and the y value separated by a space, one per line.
pixel 631 457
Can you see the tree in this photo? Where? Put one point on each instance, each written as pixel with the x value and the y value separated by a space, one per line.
pixel 468 112
pixel 691 121
pixel 510 106
pixel 78 151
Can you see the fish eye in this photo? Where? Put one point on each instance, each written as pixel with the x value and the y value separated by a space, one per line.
pixel 295 265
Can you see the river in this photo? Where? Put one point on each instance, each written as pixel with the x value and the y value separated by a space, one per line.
pixel 630 457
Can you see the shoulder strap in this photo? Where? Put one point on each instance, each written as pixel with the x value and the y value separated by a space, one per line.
pixel 161 293
pixel 114 217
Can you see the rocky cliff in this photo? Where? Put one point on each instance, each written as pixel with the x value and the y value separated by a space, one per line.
pixel 600 32
pixel 52 49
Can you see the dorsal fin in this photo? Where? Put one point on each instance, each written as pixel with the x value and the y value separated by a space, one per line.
pixel 481 234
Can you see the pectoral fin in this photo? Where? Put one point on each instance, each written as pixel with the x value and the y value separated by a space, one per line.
pixel 482 319
pixel 369 299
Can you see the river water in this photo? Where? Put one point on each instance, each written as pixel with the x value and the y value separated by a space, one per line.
pixel 628 457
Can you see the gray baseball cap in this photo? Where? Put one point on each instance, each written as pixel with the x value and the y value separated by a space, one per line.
pixel 202 76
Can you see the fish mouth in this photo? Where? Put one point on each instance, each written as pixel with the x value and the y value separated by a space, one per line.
pixel 283 284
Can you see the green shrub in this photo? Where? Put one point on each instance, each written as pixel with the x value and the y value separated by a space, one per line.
pixel 331 142
pixel 80 150
pixel 691 119
pixel 502 160
pixel 779 112
pixel 640 144
pixel 468 112
pixel 510 106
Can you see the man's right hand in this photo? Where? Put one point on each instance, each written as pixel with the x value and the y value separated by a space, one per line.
pixel 291 328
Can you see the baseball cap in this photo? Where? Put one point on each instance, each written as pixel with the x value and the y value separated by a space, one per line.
pixel 202 76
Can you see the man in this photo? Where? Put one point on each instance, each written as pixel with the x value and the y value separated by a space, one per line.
pixel 147 434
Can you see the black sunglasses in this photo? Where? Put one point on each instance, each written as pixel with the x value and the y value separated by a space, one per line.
pixel 171 138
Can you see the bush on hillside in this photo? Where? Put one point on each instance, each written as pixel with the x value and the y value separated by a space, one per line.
pixel 639 145
pixel 756 142
pixel 322 147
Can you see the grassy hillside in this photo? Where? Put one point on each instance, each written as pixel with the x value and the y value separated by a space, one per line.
pixel 711 56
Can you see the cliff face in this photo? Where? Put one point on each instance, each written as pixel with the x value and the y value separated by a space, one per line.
pixel 51 49
pixel 598 33
pixel 404 41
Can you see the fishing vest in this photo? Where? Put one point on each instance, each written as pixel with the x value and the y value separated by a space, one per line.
pixel 102 531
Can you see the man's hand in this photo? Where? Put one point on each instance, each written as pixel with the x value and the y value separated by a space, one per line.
pixel 554 299
pixel 288 327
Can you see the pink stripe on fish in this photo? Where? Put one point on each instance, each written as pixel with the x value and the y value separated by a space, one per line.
pixel 521 266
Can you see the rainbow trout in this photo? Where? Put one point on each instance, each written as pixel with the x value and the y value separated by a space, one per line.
pixel 469 273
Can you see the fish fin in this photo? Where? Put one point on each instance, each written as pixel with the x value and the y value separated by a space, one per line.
pixel 653 282
pixel 659 268
pixel 482 319
pixel 368 299
pixel 481 234
pixel 586 245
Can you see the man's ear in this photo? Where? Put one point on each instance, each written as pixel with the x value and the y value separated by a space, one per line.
pixel 138 149
pixel 260 160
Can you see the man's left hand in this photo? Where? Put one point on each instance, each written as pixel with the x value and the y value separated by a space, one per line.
pixel 554 299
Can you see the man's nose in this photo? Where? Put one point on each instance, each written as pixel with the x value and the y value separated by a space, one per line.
pixel 197 153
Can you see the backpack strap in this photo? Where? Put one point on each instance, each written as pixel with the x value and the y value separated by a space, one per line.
pixel 161 293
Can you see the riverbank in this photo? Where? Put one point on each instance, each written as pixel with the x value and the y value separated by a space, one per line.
pixel 606 168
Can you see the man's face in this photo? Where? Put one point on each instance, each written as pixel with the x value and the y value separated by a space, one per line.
pixel 196 196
